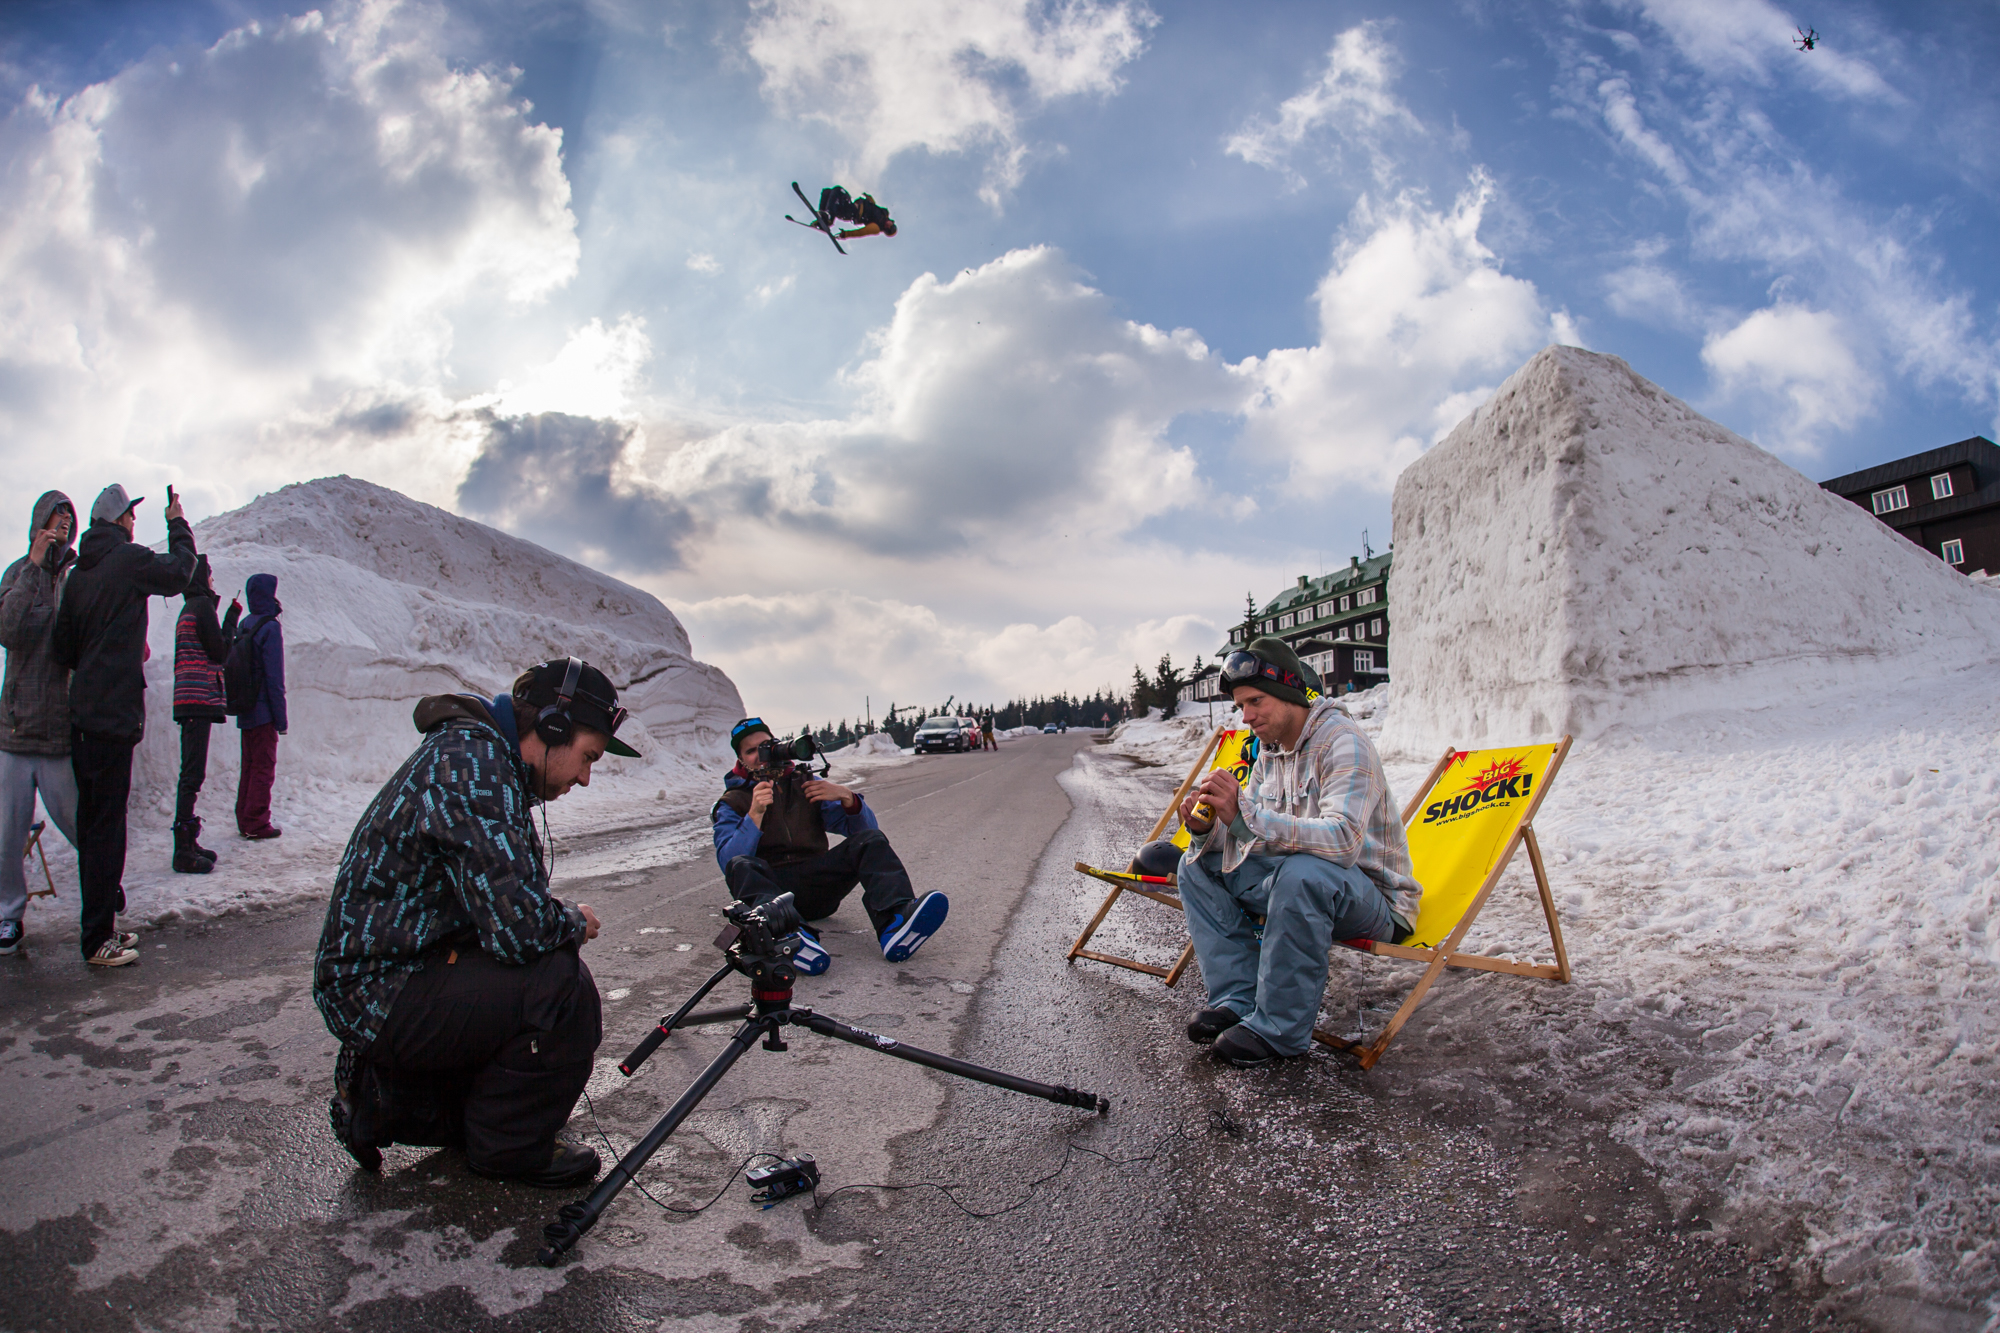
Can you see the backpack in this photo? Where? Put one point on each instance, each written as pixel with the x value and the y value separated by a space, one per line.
pixel 241 669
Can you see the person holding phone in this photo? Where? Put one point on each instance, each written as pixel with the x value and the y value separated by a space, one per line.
pixel 34 706
pixel 100 636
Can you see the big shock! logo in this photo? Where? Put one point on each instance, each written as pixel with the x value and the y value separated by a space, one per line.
pixel 1502 780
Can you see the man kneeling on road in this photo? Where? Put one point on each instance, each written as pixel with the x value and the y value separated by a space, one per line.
pixel 1311 845
pixel 446 968
pixel 770 838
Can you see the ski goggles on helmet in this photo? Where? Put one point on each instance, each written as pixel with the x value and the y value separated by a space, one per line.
pixel 745 727
pixel 1246 668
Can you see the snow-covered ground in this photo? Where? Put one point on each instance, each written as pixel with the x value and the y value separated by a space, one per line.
pixel 1798 909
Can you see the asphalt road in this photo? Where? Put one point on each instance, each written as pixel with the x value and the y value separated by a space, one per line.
pixel 165 1163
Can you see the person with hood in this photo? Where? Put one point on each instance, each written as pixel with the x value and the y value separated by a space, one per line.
pixel 100 635
pixel 1311 847
pixel 34 705
pixel 200 648
pixel 446 969
pixel 265 720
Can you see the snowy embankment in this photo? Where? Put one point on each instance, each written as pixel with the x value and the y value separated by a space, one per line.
pixel 875 750
pixel 387 600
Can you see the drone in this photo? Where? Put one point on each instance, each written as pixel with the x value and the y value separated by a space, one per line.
pixel 1806 40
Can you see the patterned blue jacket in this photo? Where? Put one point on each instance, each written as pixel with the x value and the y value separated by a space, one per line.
pixel 445 855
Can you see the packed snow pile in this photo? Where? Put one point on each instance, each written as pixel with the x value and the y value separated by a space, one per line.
pixel 875 750
pixel 1153 739
pixel 1586 550
pixel 387 600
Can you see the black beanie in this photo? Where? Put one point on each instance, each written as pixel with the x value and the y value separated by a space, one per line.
pixel 1279 654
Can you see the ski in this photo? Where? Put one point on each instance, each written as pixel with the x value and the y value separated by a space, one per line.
pixel 819 225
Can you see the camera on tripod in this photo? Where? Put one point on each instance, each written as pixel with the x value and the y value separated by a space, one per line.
pixel 760 936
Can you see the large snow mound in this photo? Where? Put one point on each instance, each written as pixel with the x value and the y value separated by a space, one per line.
pixel 1586 550
pixel 387 600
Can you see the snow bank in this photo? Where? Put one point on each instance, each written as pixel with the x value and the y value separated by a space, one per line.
pixel 386 600
pixel 877 749
pixel 1586 550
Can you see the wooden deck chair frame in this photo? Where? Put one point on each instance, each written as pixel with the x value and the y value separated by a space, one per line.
pixel 1143 885
pixel 1445 953
pixel 34 848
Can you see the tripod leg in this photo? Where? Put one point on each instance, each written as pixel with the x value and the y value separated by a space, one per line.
pixel 573 1220
pixel 828 1027
pixel 666 1026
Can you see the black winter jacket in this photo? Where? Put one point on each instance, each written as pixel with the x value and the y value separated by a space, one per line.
pixel 101 629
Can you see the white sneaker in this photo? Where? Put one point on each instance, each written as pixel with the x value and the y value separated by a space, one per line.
pixel 113 953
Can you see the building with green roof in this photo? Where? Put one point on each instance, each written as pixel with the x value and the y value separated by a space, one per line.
pixel 1337 623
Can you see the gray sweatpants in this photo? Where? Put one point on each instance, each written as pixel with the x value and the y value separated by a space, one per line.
pixel 21 777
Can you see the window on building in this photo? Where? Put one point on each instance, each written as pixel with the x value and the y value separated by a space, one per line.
pixel 1953 552
pixel 1889 501
pixel 1285 621
pixel 1374 629
pixel 1365 596
pixel 1346 603
pixel 1323 610
pixel 1941 486
pixel 1340 633
pixel 1364 659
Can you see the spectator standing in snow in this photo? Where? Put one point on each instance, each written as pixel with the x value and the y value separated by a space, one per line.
pixel 200 647
pixel 100 635
pixel 265 720
pixel 1311 844
pixel 34 705
pixel 446 968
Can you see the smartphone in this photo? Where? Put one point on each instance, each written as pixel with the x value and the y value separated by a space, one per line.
pixel 170 494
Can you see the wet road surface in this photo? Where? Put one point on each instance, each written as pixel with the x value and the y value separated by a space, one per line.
pixel 164 1160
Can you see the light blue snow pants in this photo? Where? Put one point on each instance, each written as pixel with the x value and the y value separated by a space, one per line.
pixel 1307 903
pixel 21 776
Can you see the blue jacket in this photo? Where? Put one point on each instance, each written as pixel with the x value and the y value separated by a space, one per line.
pixel 445 856
pixel 736 836
pixel 267 636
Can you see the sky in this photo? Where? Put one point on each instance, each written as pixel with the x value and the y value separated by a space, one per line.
pixel 1178 289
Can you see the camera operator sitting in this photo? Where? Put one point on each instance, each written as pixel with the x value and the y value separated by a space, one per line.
pixel 447 970
pixel 771 829
pixel 1311 845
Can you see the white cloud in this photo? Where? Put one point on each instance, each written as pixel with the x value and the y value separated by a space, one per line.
pixel 598 373
pixel 1352 99
pixel 1801 356
pixel 949 76
pixel 703 262
pixel 1416 319
pixel 210 247
pixel 1749 38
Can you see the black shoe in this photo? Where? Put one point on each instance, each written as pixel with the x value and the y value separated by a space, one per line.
pixel 1244 1049
pixel 187 857
pixel 568 1166
pixel 340 1110
pixel 194 841
pixel 1212 1023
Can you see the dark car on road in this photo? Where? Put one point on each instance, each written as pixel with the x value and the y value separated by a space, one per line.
pixel 940 733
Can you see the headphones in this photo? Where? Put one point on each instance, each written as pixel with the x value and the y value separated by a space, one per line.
pixel 553 723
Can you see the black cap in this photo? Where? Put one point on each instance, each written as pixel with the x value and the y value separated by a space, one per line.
pixel 593 701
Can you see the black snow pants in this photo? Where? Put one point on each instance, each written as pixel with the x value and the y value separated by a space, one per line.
pixel 818 884
pixel 487 1054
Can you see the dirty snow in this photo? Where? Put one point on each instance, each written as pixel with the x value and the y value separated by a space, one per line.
pixel 386 600
pixel 1586 550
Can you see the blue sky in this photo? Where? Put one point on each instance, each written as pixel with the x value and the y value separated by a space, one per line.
pixel 1178 291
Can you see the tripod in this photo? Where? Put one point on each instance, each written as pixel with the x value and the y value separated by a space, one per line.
pixel 769 1011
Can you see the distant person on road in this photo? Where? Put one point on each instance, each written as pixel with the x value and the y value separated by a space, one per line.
pixel 100 636
pixel 1311 845
pixel 200 647
pixel 34 706
pixel 986 741
pixel 265 720
pixel 771 829
pixel 446 968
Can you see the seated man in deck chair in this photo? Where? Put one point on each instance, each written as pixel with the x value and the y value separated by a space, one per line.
pixel 1312 844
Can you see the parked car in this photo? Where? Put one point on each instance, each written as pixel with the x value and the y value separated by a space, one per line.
pixel 940 733
pixel 1049 728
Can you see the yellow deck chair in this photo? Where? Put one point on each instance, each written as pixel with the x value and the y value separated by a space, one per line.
pixel 1227 748
pixel 1473 811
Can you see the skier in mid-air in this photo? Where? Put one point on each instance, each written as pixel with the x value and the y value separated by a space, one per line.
pixel 836 205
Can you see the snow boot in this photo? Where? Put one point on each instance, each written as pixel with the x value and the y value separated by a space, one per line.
pixel 187 860
pixel 194 835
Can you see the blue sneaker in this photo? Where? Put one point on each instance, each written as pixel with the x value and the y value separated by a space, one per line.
pixel 905 937
pixel 808 958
